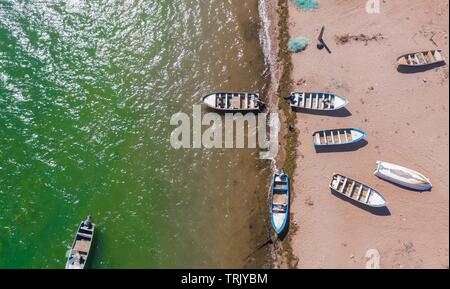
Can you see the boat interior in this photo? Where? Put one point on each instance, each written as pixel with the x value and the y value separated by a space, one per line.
pixel 351 189
pixel 237 101
pixel 280 197
pixel 421 58
pixel 332 137
pixel 315 100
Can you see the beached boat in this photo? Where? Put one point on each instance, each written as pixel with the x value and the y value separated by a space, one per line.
pixel 421 58
pixel 402 176
pixel 234 101
pixel 280 202
pixel 357 191
pixel 81 246
pixel 334 137
pixel 317 101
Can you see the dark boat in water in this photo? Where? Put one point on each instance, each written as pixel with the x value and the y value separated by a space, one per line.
pixel 234 101
pixel 81 246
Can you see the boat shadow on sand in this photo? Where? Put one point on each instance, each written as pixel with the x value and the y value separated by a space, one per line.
pixel 343 112
pixel 418 69
pixel 341 148
pixel 383 211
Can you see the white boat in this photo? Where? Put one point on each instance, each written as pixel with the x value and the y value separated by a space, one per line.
pixel 357 191
pixel 81 246
pixel 402 176
pixel 421 58
pixel 317 101
pixel 234 101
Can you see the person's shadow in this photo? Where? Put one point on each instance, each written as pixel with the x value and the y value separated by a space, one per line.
pixel 383 211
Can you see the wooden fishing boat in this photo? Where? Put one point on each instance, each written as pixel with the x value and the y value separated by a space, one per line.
pixel 421 58
pixel 81 246
pixel 402 176
pixel 280 202
pixel 234 101
pixel 317 101
pixel 357 191
pixel 334 137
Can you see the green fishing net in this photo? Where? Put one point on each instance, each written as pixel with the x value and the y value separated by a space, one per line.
pixel 307 4
pixel 297 44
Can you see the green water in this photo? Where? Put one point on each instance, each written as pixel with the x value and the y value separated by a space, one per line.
pixel 87 89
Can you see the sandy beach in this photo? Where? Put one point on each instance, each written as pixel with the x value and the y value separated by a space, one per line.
pixel 406 119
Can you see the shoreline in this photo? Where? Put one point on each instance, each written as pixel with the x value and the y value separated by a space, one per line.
pixel 274 16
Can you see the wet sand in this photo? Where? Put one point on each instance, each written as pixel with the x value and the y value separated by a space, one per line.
pixel 406 118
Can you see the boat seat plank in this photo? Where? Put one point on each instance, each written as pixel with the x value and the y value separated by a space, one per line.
pixel 343 186
pixel 359 192
pixel 318 139
pixel 351 189
pixel 338 182
pixel 368 196
pixel 87 236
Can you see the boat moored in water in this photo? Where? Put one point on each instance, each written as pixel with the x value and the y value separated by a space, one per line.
pixel 234 102
pixel 335 137
pixel 316 101
pixel 81 246
pixel 280 202
pixel 357 191
pixel 402 176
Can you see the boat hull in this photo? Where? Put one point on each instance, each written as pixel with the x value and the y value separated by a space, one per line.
pixel 403 60
pixel 317 101
pixel 357 191
pixel 355 134
pixel 402 176
pixel 210 101
pixel 81 247
pixel 279 217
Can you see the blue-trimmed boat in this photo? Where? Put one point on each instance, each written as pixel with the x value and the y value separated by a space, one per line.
pixel 335 137
pixel 279 209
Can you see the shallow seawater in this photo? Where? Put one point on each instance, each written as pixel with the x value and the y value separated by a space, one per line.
pixel 87 90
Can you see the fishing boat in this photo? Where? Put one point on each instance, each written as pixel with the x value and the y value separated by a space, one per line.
pixel 81 246
pixel 421 58
pixel 335 137
pixel 316 101
pixel 357 191
pixel 402 176
pixel 234 101
pixel 280 202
